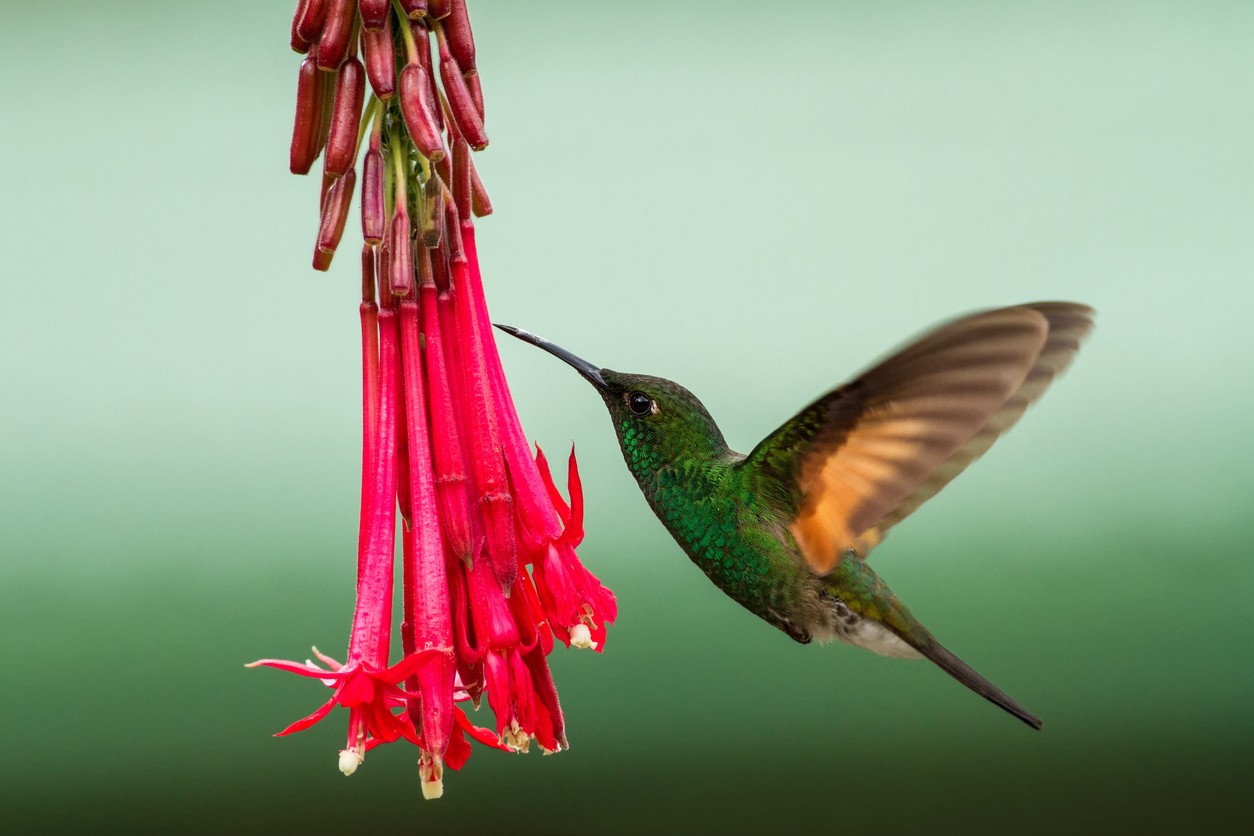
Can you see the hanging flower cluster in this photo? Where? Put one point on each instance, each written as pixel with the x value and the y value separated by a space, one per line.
pixel 441 440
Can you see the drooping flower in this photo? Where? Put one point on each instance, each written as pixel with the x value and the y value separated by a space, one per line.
pixel 489 571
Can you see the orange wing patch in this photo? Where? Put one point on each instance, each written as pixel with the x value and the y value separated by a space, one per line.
pixel 921 407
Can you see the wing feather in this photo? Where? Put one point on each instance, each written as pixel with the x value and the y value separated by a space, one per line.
pixel 864 456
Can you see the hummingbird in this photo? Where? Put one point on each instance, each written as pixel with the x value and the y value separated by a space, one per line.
pixel 786 530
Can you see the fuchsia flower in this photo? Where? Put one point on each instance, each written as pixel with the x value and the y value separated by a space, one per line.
pixel 489 570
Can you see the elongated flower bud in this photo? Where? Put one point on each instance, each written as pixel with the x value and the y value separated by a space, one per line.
pixel 380 59
pixel 401 267
pixel 437 8
pixel 461 41
pixel 299 43
pixel 414 8
pixel 461 105
pixel 335 211
pixel 336 34
pixel 375 13
pixel 308 117
pixel 310 17
pixel 372 205
pixel 418 119
pixel 350 91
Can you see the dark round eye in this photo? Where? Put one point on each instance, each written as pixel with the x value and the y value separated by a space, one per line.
pixel 639 403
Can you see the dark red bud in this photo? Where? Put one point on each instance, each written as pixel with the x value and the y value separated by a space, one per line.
pixel 422 40
pixel 300 44
pixel 479 202
pixel 308 117
pixel 461 177
pixel 311 17
pixel 375 13
pixel 438 9
pixel 335 211
pixel 461 105
pixel 401 262
pixel 418 119
pixel 333 45
pixel 372 185
pixel 461 41
pixel 380 60
pixel 322 260
pixel 350 92
pixel 415 8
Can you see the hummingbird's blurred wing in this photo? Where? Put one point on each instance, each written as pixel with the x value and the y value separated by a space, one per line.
pixel 864 456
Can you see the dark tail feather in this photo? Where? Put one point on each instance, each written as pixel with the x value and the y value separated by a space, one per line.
pixel 965 674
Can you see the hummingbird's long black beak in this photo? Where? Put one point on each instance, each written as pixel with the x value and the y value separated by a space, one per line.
pixel 590 372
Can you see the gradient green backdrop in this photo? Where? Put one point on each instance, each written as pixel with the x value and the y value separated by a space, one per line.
pixel 754 199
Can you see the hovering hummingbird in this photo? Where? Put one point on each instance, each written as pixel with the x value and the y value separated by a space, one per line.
pixel 786 530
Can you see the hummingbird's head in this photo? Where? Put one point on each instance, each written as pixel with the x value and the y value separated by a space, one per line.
pixel 657 420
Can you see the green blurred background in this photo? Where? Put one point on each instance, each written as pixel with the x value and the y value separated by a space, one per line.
pixel 754 199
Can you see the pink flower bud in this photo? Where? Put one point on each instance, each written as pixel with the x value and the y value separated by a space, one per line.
pixel 461 41
pixel 418 118
pixel 335 211
pixel 300 43
pixel 380 60
pixel 350 91
pixel 375 13
pixel 414 8
pixel 308 117
pixel 372 205
pixel 336 34
pixel 461 105
pixel 309 20
pixel 401 266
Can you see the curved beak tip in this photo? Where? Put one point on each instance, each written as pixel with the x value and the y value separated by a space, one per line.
pixel 590 372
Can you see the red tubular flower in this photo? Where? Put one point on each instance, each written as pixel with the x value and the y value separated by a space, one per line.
pixel 488 543
pixel 429 625
pixel 365 683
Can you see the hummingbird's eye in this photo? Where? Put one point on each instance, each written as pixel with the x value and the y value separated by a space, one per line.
pixel 640 404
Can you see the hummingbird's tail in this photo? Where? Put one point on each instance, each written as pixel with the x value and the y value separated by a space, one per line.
pixel 964 673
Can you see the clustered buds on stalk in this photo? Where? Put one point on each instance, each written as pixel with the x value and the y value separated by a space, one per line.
pixel 489 570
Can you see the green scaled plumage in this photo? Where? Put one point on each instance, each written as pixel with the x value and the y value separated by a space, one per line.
pixel 785 531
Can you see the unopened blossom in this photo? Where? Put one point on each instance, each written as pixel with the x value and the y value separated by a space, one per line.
pixel 489 574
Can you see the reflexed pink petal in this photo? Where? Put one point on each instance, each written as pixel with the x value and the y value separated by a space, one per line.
pixel 295 667
pixel 306 722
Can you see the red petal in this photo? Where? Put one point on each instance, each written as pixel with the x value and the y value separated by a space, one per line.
pixel 306 722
